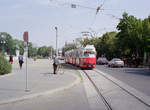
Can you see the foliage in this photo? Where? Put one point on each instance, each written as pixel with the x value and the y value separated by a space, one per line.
pixel 68 47
pixel 133 38
pixel 105 45
pixel 146 34
pixel 5 67
pixel 44 51
pixel 19 45
pixel 32 51
pixel 134 35
pixel 9 45
pixel 39 57
pixel 89 41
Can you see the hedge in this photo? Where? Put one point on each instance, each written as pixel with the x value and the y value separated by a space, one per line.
pixel 5 67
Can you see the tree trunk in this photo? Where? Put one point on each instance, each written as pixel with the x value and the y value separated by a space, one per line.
pixel 145 57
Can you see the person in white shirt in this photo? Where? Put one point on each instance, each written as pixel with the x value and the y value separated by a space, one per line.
pixel 20 58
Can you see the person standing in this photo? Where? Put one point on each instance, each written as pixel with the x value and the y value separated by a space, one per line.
pixel 11 59
pixel 20 58
pixel 55 63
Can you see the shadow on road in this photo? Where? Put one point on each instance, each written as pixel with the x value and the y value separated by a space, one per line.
pixel 145 72
pixel 136 71
pixel 70 67
pixel 47 73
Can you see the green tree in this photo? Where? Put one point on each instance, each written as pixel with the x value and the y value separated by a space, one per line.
pixel 134 35
pixel 68 47
pixel 9 45
pixel 107 45
pixel 146 36
pixel 32 51
pixel 130 34
pixel 19 45
pixel 44 51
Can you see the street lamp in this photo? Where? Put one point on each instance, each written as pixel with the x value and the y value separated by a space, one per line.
pixel 56 38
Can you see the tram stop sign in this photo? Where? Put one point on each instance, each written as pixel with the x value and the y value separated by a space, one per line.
pixel 25 36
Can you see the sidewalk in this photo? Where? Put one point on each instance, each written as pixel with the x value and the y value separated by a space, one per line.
pixel 41 81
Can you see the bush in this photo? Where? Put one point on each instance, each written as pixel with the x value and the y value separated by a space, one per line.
pixel 5 67
pixel 39 57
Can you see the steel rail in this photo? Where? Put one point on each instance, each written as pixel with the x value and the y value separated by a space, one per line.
pixel 123 89
pixel 98 91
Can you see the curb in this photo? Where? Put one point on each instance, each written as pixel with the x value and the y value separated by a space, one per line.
pixel 139 95
pixel 27 97
pixel 7 75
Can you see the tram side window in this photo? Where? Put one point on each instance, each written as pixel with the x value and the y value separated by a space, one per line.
pixel 77 54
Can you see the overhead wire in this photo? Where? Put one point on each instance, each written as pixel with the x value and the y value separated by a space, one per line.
pixel 98 9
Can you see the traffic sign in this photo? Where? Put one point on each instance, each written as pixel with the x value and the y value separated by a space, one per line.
pixel 25 36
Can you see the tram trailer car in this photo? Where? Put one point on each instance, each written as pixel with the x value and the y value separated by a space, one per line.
pixel 84 57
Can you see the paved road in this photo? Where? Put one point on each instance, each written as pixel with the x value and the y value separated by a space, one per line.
pixel 72 99
pixel 41 80
pixel 138 78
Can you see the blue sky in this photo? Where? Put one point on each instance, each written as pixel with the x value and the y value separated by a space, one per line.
pixel 39 18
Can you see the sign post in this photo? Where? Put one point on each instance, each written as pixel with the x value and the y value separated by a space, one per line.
pixel 25 38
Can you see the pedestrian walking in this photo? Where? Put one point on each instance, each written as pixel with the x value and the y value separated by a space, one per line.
pixel 11 59
pixel 55 63
pixel 20 58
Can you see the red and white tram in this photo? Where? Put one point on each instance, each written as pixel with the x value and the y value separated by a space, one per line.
pixel 84 57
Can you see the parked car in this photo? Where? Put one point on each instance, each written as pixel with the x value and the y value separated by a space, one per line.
pixel 116 62
pixel 102 60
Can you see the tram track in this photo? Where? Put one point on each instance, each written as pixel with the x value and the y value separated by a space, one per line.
pixel 123 89
pixel 108 102
pixel 99 93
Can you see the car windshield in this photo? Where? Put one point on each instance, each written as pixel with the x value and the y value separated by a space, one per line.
pixel 116 59
pixel 104 59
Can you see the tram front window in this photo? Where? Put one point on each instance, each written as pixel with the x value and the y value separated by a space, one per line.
pixel 89 54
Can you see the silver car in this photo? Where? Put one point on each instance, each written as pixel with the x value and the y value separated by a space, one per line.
pixel 102 60
pixel 116 62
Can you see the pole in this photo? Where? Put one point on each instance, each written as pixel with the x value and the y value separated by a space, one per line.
pixel 56 39
pixel 25 37
pixel 26 52
pixel 26 68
